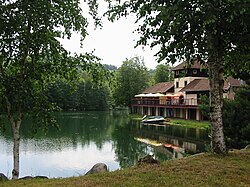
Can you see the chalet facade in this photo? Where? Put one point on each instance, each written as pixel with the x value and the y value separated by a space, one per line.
pixel 180 98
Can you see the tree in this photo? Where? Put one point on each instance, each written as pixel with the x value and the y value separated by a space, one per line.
pixel 204 106
pixel 236 118
pixel 131 78
pixel 163 73
pixel 215 31
pixel 96 97
pixel 31 56
pixel 62 94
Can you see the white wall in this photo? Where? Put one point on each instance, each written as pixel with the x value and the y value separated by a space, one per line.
pixel 182 82
pixel 191 99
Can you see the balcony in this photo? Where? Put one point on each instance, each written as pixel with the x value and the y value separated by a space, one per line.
pixel 166 103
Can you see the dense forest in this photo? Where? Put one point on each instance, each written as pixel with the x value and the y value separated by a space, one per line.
pixel 86 95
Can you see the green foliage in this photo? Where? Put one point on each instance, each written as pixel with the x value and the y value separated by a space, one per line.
pixel 191 123
pixel 31 55
pixel 151 77
pixel 184 28
pixel 236 118
pixel 61 93
pixel 204 106
pixel 163 73
pixel 110 67
pixel 84 96
pixel 131 78
pixel 97 98
pixel 241 69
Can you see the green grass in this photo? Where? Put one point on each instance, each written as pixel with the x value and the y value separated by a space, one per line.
pixel 136 117
pixel 201 170
pixel 190 123
pixel 179 122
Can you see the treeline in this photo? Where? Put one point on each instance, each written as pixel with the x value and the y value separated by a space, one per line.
pixel 81 96
pixel 128 80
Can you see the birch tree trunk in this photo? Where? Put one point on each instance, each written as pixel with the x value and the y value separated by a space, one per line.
pixel 15 120
pixel 16 136
pixel 216 103
pixel 215 63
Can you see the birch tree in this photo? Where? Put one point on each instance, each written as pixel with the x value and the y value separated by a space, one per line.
pixel 216 31
pixel 31 56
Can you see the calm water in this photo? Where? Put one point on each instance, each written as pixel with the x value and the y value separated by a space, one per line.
pixel 92 137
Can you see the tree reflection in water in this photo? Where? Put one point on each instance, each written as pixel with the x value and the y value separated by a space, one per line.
pixel 91 137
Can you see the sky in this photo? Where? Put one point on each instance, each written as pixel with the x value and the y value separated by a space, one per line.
pixel 113 43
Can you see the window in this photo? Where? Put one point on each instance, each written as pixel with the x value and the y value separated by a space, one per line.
pixel 185 83
pixel 194 71
pixel 177 72
pixel 177 84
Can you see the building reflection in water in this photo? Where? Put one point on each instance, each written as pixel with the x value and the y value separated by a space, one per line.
pixel 175 141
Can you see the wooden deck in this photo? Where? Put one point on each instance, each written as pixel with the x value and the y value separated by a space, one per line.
pixel 174 103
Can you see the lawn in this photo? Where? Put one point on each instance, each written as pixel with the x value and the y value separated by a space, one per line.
pixel 201 170
pixel 190 123
pixel 179 122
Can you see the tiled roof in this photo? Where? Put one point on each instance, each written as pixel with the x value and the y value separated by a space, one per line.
pixel 203 85
pixel 197 85
pixel 162 87
pixel 184 65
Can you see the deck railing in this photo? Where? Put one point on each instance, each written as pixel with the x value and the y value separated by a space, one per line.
pixel 172 102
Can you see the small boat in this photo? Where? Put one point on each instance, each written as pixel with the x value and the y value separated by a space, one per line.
pixel 153 119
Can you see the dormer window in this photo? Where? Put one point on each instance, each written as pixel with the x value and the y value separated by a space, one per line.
pixel 194 71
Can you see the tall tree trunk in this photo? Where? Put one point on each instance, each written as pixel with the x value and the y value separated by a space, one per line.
pixel 216 103
pixel 16 136
pixel 15 120
pixel 215 62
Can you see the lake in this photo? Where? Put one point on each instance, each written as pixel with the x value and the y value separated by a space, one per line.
pixel 87 138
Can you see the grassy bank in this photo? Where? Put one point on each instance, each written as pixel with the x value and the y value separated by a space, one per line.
pixel 202 170
pixel 179 122
pixel 190 123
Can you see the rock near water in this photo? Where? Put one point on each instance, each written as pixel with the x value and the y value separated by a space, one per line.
pixel 98 168
pixel 149 159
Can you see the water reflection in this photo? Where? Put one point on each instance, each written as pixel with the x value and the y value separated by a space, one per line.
pixel 87 138
pixel 176 141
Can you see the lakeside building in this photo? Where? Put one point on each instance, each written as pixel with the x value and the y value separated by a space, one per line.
pixel 181 97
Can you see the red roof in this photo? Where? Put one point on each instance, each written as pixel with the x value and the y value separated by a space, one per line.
pixel 203 85
pixel 197 85
pixel 162 87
